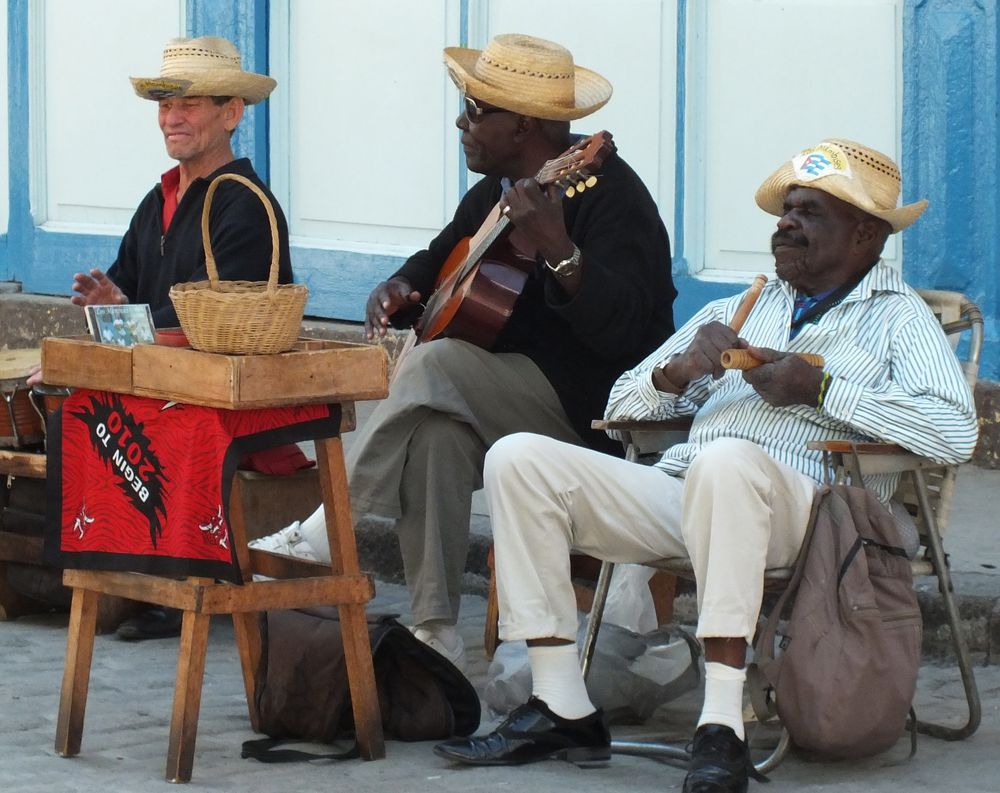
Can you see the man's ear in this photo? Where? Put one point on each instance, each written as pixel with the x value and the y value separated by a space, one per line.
pixel 234 113
pixel 526 126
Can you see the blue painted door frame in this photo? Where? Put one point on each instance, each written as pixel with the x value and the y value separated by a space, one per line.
pixel 951 155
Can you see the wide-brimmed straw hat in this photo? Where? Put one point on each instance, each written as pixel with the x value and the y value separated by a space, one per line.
pixel 205 66
pixel 528 75
pixel 861 176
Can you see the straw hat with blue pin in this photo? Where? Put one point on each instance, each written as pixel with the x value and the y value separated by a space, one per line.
pixel 857 174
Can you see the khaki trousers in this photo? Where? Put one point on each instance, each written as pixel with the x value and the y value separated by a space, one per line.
pixel 420 455
pixel 737 512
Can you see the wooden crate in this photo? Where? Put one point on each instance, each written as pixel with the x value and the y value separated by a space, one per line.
pixel 81 362
pixel 317 371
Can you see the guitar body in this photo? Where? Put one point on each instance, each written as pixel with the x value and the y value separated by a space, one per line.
pixel 484 275
pixel 474 304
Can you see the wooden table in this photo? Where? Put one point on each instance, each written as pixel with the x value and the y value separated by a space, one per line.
pixel 317 372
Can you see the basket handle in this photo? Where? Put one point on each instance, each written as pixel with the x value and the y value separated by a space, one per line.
pixel 213 272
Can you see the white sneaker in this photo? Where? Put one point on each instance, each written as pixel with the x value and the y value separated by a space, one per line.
pixel 454 653
pixel 289 541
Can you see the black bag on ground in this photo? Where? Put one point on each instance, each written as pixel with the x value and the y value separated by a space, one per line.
pixel 844 680
pixel 303 694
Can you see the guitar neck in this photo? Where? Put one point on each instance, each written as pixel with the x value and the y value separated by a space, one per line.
pixel 475 254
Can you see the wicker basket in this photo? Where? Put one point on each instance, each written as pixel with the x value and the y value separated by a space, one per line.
pixel 239 317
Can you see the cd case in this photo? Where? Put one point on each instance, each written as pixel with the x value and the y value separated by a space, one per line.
pixel 125 325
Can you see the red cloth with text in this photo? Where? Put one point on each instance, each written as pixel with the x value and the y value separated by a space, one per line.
pixel 143 485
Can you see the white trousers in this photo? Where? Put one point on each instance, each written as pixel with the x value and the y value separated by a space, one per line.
pixel 737 513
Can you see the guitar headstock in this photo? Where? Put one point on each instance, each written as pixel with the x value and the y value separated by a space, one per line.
pixel 573 169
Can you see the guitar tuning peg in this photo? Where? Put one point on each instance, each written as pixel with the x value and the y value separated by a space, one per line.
pixel 591 181
pixel 581 186
pixel 570 192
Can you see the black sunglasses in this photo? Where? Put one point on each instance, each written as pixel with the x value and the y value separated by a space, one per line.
pixel 475 113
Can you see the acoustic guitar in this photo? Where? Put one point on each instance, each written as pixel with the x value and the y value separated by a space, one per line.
pixel 484 275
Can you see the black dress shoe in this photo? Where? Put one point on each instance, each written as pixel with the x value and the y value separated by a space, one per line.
pixel 533 732
pixel 720 762
pixel 158 622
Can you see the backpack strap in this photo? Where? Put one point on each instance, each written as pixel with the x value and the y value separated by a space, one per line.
pixel 263 749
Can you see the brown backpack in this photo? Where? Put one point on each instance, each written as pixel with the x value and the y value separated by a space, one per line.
pixel 844 678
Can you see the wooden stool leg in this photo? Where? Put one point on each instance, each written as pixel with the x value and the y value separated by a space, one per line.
pixel 354 624
pixel 76 674
pixel 246 625
pixel 187 696
pixel 247 629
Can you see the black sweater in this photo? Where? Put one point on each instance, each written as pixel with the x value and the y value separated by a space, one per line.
pixel 622 312
pixel 149 262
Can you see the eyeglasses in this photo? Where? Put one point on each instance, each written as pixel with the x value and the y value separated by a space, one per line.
pixel 475 113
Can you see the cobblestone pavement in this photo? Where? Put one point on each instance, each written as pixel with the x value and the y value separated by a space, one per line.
pixel 128 712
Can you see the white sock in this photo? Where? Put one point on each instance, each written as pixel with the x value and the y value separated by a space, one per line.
pixel 313 530
pixel 556 679
pixel 723 697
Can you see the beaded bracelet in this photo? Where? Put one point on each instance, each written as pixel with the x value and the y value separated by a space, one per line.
pixel 822 390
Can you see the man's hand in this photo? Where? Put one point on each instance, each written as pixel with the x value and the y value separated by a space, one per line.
pixel 538 216
pixel 703 356
pixel 35 376
pixel 96 289
pixel 385 300
pixel 784 378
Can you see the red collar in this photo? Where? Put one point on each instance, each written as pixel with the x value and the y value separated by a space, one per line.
pixel 170 182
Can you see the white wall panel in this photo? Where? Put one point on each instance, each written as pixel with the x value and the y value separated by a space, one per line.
pixel 633 45
pixel 767 79
pixel 364 128
pixel 102 147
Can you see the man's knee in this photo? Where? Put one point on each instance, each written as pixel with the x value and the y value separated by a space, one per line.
pixel 725 458
pixel 513 455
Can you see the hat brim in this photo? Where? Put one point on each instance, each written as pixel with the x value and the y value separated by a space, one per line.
pixel 591 90
pixel 249 86
pixel 770 197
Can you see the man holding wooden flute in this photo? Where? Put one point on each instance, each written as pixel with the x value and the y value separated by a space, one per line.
pixel 735 498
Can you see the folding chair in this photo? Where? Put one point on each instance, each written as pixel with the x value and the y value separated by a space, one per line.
pixel 926 489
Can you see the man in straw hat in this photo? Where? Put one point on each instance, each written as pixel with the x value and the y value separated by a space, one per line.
pixel 735 498
pixel 202 91
pixel 597 300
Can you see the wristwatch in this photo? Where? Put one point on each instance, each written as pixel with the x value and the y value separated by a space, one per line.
pixel 566 267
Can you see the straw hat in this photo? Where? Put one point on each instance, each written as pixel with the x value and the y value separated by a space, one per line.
pixel 205 66
pixel 862 177
pixel 528 75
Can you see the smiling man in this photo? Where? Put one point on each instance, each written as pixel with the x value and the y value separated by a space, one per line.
pixel 202 91
pixel 598 298
pixel 736 497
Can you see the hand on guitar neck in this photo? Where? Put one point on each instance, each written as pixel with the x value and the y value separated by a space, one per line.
pixel 385 300
pixel 537 216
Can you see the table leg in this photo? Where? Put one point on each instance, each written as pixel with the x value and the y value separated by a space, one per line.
pixel 354 624
pixel 187 696
pixel 76 674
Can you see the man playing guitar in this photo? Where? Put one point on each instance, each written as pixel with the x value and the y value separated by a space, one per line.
pixel 596 300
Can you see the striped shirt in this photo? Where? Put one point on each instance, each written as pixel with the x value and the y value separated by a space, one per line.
pixel 894 378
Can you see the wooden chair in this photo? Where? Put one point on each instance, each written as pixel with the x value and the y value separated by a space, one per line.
pixel 926 489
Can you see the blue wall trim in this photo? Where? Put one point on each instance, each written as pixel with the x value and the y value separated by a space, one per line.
pixel 950 140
